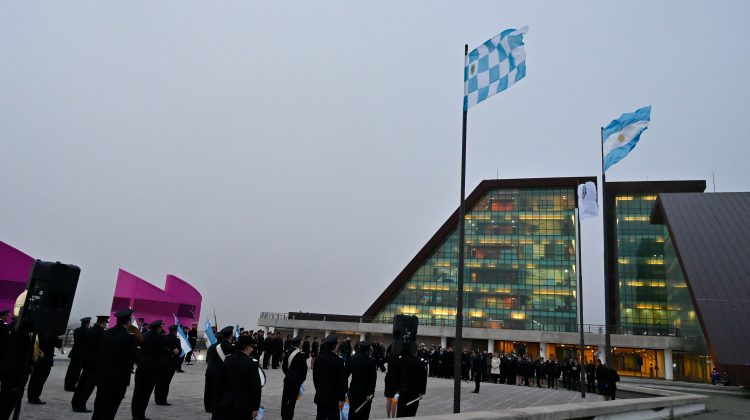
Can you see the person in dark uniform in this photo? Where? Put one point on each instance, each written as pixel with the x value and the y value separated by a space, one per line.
pixel 364 372
pixel 267 349
pixel 391 383
pixel 87 381
pixel 116 358
pixel 15 368
pixel 153 350
pixel 5 330
pixel 76 355
pixel 192 337
pixel 240 380
pixel 477 365
pixel 278 351
pixel 314 349
pixel 294 366
pixel 169 363
pixel 306 346
pixel 329 378
pixel 42 367
pixel 215 356
pixel 412 383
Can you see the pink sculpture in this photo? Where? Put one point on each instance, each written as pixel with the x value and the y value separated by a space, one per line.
pixel 15 270
pixel 151 303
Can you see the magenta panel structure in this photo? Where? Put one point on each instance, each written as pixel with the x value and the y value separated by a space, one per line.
pixel 152 303
pixel 15 270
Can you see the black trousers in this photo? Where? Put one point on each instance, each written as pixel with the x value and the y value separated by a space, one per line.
pixel 328 412
pixel 289 400
pixel 477 380
pixel 73 373
pixel 108 399
pixel 355 401
pixel 208 394
pixel 11 394
pixel 84 388
pixel 275 360
pixel 266 359
pixel 161 390
pixel 404 410
pixel 144 386
pixel 39 376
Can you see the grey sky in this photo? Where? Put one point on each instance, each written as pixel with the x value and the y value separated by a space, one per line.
pixel 296 155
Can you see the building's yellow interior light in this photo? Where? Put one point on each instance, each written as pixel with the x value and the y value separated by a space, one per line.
pixel 541 216
pixel 624 198
pixel 636 218
pixel 443 312
pixel 518 315
pixel 649 197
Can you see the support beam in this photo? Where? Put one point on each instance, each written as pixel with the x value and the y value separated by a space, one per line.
pixel 443 342
pixel 543 350
pixel 362 336
pixel 295 333
pixel 490 346
pixel 668 369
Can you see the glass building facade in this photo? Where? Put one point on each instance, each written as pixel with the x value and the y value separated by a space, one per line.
pixel 520 266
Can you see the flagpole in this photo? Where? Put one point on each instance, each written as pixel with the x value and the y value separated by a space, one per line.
pixel 579 269
pixel 607 286
pixel 458 342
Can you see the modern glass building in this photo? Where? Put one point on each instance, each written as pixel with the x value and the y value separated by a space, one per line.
pixel 646 281
pixel 520 262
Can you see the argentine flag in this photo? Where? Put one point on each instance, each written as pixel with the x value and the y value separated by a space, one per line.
pixel 494 66
pixel 184 345
pixel 622 134
pixel 209 332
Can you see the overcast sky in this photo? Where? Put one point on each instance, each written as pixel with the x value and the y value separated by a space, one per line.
pixel 285 156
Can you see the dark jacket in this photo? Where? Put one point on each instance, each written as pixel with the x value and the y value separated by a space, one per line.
pixel 93 340
pixel 171 360
pixel 116 358
pixel 152 352
pixel 296 371
pixel 79 343
pixel 214 361
pixel 242 389
pixel 412 376
pixel 363 370
pixel 329 378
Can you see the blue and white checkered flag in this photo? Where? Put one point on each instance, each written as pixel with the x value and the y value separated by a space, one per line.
pixel 184 344
pixel 494 66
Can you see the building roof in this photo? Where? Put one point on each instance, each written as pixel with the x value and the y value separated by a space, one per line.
pixel 711 237
pixel 446 228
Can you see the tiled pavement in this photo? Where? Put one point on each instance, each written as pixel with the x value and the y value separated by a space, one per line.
pixel 186 396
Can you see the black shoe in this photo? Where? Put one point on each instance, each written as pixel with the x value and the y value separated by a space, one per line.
pixel 180 371
pixel 163 403
pixel 70 390
pixel 81 410
pixel 37 402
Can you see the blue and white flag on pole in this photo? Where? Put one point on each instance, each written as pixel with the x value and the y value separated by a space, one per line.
pixel 494 66
pixel 209 332
pixel 184 344
pixel 622 134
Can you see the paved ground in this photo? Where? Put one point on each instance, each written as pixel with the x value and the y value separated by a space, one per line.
pixel 186 395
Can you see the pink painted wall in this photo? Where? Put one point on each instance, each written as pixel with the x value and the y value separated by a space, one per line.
pixel 152 303
pixel 15 270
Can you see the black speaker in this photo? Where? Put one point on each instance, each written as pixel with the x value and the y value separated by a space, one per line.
pixel 405 334
pixel 49 297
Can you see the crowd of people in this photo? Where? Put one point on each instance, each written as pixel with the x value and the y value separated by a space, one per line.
pixel 515 369
pixel 344 374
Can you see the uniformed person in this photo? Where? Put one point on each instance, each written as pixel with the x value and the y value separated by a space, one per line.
pixel 153 350
pixel 329 378
pixel 169 363
pixel 14 370
pixel 87 381
pixel 42 367
pixel 117 354
pixel 215 356
pixel 240 378
pixel 5 330
pixel 294 366
pixel 363 370
pixel 412 382
pixel 76 355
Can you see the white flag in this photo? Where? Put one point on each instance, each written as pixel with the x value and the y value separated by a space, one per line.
pixel 587 204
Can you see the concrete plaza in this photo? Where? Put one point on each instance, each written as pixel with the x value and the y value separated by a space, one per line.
pixel 186 397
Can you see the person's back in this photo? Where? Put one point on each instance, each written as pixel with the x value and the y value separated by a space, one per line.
pixel 242 389
pixel 329 378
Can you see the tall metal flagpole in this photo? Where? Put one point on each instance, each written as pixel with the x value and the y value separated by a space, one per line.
pixel 458 345
pixel 607 286
pixel 579 269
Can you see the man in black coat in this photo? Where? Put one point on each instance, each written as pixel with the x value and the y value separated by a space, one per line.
pixel 295 370
pixel 15 368
pixel 412 375
pixel 363 370
pixel 153 350
pixel 278 351
pixel 241 382
pixel 215 356
pixel 169 363
pixel 5 330
pixel 76 355
pixel 477 365
pixel 267 349
pixel 117 354
pixel 42 367
pixel 329 378
pixel 192 337
pixel 87 381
